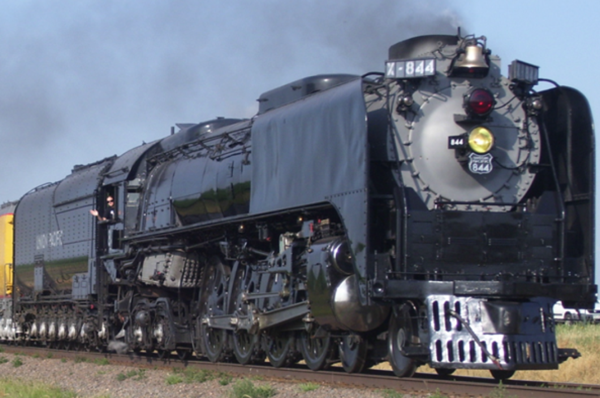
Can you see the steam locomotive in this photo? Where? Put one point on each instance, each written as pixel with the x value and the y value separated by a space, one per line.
pixel 429 214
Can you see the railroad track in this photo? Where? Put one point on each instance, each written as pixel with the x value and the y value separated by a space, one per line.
pixel 379 379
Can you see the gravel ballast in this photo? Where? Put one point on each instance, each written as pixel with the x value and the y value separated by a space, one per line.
pixel 97 380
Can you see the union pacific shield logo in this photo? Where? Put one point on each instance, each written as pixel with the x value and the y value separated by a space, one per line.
pixel 480 164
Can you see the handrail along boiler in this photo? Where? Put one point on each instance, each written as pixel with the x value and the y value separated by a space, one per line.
pixel 432 213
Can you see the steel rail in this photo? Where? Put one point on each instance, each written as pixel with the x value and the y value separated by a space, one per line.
pixel 421 383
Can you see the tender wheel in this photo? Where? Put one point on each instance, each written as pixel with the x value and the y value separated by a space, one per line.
pixel 444 372
pixel 183 354
pixel 280 349
pixel 163 354
pixel 317 351
pixel 502 374
pixel 215 303
pixel 89 347
pixel 353 353
pixel 399 336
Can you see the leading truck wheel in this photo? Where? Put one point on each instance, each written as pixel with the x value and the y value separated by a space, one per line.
pixel 353 353
pixel 502 374
pixel 444 372
pixel 399 336
pixel 317 351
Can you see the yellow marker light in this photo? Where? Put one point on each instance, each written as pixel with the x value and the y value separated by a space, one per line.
pixel 481 140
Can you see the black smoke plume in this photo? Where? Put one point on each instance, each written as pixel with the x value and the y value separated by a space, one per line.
pixel 82 80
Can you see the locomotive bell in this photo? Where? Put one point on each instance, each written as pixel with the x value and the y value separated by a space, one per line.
pixel 472 58
pixel 472 61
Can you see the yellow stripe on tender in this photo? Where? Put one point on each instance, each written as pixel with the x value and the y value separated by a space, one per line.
pixel 6 254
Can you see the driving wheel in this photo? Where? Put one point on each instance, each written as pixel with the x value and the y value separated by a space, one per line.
pixel 246 345
pixel 215 302
pixel 281 349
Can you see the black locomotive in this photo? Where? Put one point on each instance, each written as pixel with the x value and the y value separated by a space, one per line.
pixel 433 213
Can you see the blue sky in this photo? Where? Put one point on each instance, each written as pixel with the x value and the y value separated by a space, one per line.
pixel 561 37
pixel 81 80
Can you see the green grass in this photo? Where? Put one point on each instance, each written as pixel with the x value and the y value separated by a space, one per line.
pixel 246 389
pixel 584 338
pixel 581 336
pixel 132 374
pixel 21 389
pixel 306 387
pixel 193 376
pixel 174 378
pixel 500 392
pixel 225 379
pixel 102 361
pixel 17 362
pixel 438 394
pixel 389 393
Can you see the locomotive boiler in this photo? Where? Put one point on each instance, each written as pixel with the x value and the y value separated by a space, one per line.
pixel 432 214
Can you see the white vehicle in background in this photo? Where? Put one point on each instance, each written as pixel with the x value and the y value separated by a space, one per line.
pixel 596 313
pixel 570 315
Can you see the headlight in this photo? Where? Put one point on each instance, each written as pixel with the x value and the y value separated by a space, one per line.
pixel 481 140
